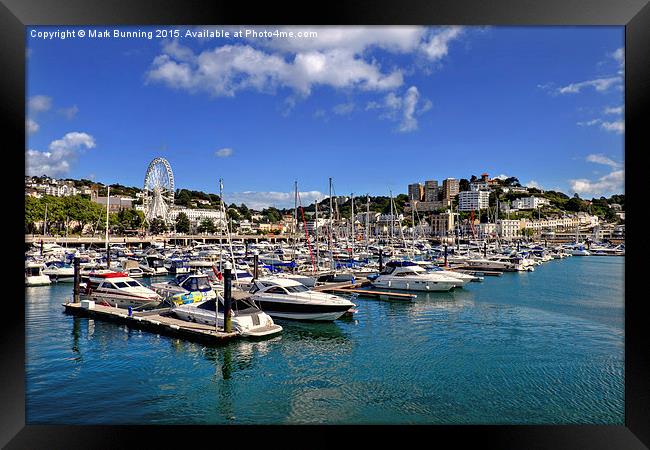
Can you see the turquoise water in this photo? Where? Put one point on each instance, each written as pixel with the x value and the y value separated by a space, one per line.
pixel 535 347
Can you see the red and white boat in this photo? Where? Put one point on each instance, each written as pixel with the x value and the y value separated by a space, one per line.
pixel 110 288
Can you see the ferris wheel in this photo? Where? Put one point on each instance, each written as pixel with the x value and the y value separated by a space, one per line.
pixel 158 191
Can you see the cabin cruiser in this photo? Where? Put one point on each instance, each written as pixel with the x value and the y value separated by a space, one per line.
pixel 110 288
pixel 185 288
pixel 153 265
pixel 178 266
pixel 131 268
pixel 289 299
pixel 408 276
pixel 34 275
pixel 59 271
pixel 247 319
pixel 432 268
pixel 579 250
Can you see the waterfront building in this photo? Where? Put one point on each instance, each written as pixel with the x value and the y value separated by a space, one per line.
pixel 508 228
pixel 116 203
pixel 473 200
pixel 197 215
pixel 482 184
pixel 450 188
pixel 432 206
pixel 486 230
pixel 431 191
pixel 530 202
pixel 416 192
pixel 442 224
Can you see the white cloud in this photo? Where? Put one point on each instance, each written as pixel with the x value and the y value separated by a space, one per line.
pixel 39 103
pixel 438 45
pixel 403 109
pixel 31 126
pixel 223 152
pixel 619 55
pixel 613 110
pixel 70 112
pixel 61 153
pixel 533 184
pixel 501 177
pixel 343 109
pixel 260 200
pixel 602 159
pixel 616 126
pixel 608 184
pixel 226 70
pixel 599 84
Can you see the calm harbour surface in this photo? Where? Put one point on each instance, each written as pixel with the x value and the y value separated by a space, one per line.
pixel 533 347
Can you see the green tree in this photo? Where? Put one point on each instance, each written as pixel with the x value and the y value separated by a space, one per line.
pixel 206 226
pixel 157 226
pixel 182 223
pixel 463 185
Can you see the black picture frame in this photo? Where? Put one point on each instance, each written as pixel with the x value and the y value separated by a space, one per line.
pixel 633 14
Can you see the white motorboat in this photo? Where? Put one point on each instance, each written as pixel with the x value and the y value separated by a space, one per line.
pixel 247 319
pixel 408 276
pixel 59 271
pixel 110 288
pixel 432 268
pixel 177 266
pixel 289 299
pixel 153 265
pixel 34 275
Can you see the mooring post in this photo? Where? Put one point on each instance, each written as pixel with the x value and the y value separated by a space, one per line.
pixel 41 247
pixel 108 257
pixel 256 261
pixel 484 249
pixel 445 255
pixel 381 260
pixel 77 279
pixel 227 297
pixel 246 254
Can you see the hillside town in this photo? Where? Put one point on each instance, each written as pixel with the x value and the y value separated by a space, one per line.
pixel 479 207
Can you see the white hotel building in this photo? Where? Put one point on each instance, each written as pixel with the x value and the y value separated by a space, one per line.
pixel 529 203
pixel 197 215
pixel 473 200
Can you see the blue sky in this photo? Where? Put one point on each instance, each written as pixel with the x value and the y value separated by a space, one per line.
pixel 375 108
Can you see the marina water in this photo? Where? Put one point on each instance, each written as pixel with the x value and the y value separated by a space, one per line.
pixel 531 347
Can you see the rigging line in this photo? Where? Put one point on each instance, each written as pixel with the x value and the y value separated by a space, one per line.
pixel 311 253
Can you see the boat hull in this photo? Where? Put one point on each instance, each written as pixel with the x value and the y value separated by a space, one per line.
pixel 302 311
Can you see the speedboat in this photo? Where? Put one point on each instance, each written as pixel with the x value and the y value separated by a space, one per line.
pixel 59 271
pixel 247 319
pixel 153 265
pixel 178 266
pixel 110 288
pixel 408 276
pixel 34 275
pixel 187 288
pixel 432 268
pixel 289 299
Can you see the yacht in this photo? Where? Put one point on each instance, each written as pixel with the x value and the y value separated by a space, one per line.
pixel 178 266
pixel 153 265
pixel 289 299
pixel 247 319
pixel 408 276
pixel 59 271
pixel 34 275
pixel 186 288
pixel 432 268
pixel 110 288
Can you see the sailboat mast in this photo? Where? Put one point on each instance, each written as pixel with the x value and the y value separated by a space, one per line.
pixel 367 222
pixel 316 233
pixel 352 223
pixel 45 221
pixel 295 213
pixel 331 226
pixel 108 201
pixel 392 219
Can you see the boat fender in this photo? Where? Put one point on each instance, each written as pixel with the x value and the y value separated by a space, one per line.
pixel 389 283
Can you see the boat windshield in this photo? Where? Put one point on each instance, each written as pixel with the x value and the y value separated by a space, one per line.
pixel 197 284
pixel 295 289
pixel 133 283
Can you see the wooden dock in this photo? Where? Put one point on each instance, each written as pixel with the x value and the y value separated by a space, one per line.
pixel 350 288
pixel 158 321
